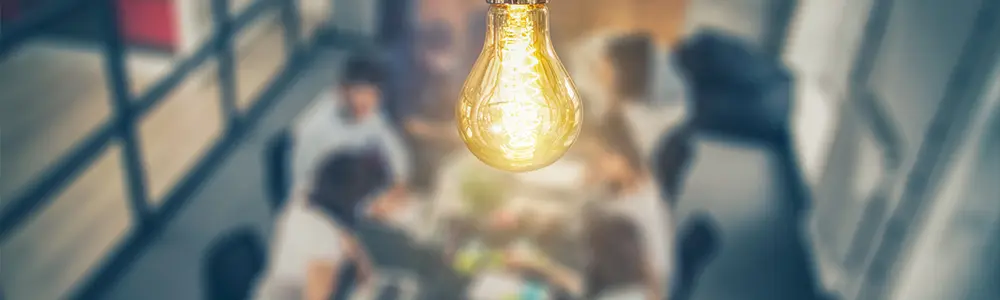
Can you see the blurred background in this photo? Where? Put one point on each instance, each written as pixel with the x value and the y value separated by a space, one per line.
pixel 136 134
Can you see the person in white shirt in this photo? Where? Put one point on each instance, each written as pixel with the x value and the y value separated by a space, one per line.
pixel 651 101
pixel 588 64
pixel 646 87
pixel 630 191
pixel 349 116
pixel 314 238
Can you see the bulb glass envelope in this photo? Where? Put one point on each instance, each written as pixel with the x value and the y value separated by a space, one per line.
pixel 519 110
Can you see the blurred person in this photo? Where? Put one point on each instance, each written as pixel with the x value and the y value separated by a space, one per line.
pixel 630 191
pixel 660 130
pixel 430 110
pixel 475 33
pixel 665 21
pixel 587 63
pixel 397 40
pixel 395 18
pixel 346 117
pixel 315 238
pixel 617 267
pixel 615 73
pixel 630 70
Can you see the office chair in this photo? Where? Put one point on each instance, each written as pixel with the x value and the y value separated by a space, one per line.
pixel 699 242
pixel 277 168
pixel 232 264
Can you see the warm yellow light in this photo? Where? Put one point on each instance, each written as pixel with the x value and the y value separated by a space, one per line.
pixel 519 109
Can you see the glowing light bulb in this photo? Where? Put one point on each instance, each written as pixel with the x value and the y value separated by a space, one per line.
pixel 519 109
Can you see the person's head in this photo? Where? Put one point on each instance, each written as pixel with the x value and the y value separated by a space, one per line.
pixel 436 47
pixel 346 179
pixel 628 65
pixel 615 158
pixel 616 254
pixel 359 84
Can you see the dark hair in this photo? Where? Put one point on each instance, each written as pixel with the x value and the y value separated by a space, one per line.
pixel 436 36
pixel 345 179
pixel 630 57
pixel 617 257
pixel 362 69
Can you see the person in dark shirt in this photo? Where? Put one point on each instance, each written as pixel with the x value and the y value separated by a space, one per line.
pixel 430 113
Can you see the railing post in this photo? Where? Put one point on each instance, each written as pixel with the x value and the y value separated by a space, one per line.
pixel 124 119
pixel 291 20
pixel 226 62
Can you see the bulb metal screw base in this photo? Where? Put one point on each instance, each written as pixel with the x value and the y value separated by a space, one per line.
pixel 517 1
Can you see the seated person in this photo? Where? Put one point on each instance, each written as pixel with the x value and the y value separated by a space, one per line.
pixel 349 116
pixel 629 190
pixel 429 117
pixel 631 72
pixel 658 126
pixel 314 238
pixel 618 267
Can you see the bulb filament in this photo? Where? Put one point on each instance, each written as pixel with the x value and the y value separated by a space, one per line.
pixel 519 99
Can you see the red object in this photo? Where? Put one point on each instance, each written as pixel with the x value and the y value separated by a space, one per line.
pixel 149 22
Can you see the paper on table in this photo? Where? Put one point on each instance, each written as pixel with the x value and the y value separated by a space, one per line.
pixel 500 286
pixel 562 174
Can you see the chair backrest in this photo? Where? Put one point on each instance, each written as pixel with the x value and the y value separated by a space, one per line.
pixel 232 264
pixel 736 89
pixel 277 168
pixel 396 258
pixel 672 159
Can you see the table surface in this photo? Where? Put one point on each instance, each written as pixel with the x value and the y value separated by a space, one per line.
pixel 546 194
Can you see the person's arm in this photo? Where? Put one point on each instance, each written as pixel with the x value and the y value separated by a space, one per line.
pixel 554 272
pixel 321 280
pixel 325 250
pixel 653 283
pixel 357 254
pixel 398 155
pixel 419 127
pixel 564 277
pixel 434 131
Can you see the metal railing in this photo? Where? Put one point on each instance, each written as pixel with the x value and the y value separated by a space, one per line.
pixel 130 109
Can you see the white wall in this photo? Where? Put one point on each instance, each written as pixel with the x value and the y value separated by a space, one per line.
pixel 746 18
